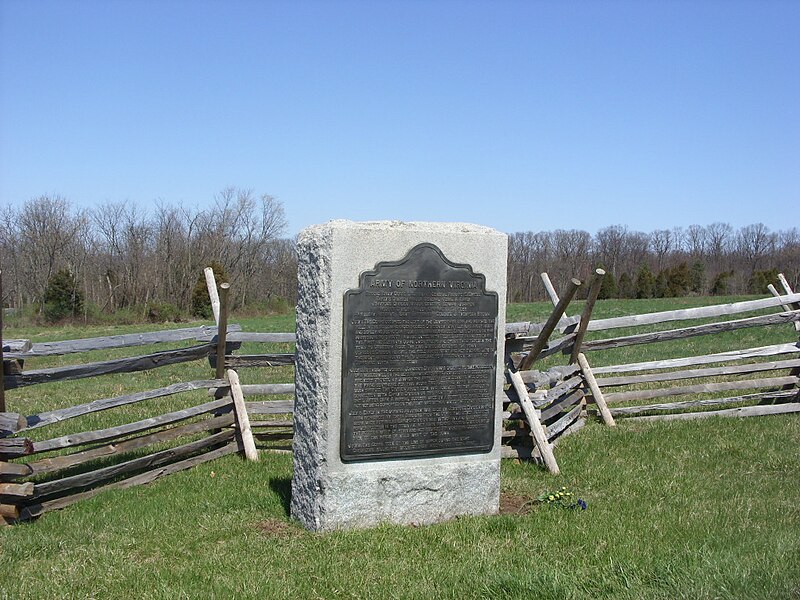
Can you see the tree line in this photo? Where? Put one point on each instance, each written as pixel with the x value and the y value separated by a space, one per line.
pixel 701 260
pixel 60 260
pixel 119 255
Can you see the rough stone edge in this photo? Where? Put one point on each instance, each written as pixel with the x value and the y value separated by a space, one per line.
pixel 395 498
pixel 311 394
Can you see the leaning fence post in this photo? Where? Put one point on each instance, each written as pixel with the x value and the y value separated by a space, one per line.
pixel 211 284
pixel 586 316
pixel 608 419
pixel 549 288
pixel 550 325
pixel 242 419
pixel 222 329
pixel 539 436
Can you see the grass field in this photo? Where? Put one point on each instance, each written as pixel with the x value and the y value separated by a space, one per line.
pixel 701 509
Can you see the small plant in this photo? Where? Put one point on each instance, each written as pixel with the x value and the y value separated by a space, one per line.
pixel 562 498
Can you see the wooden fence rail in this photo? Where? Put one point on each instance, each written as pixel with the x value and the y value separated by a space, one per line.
pixel 39 475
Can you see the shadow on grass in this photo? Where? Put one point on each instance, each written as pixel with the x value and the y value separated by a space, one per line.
pixel 283 487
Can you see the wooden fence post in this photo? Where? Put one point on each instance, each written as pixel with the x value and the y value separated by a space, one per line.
pixel 594 292
pixel 550 325
pixel 595 389
pixel 549 288
pixel 537 431
pixel 211 284
pixel 788 289
pixel 242 419
pixel 222 329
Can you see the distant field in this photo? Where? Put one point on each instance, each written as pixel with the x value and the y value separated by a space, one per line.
pixel 702 509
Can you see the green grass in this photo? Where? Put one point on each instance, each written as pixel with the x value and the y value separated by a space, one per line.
pixel 702 509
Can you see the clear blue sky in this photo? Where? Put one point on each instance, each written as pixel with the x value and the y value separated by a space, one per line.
pixel 518 115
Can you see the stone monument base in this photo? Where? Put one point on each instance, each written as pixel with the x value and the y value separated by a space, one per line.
pixel 330 493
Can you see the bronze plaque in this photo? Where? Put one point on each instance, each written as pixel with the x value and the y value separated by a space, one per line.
pixel 419 360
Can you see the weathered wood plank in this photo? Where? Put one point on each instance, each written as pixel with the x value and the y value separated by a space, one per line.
pixel 20 490
pixel 252 336
pixel 11 423
pixel 211 286
pixel 15 447
pixel 732 355
pixel 14 346
pixel 40 508
pixel 785 307
pixel 57 463
pixel 9 511
pixel 128 340
pixel 670 406
pixel 63 414
pixel 537 398
pixel 560 406
pixel 526 328
pixel 701 388
pixel 242 419
pixel 238 361
pixel 564 422
pixel 222 330
pixel 531 452
pixel 14 470
pixel 13 366
pixel 687 332
pixel 774 365
pixel 551 377
pixel 272 407
pixel 563 387
pixel 597 394
pixel 255 424
pixel 744 411
pixel 686 314
pixel 111 433
pixel 255 389
pixel 549 288
pixel 50 489
pixel 537 431
pixel 119 365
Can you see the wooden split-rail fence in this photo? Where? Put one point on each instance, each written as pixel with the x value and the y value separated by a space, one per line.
pixel 46 463
pixel 738 382
pixel 39 473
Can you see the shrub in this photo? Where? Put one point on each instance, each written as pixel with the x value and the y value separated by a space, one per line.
pixel 759 280
pixel 720 285
pixel 162 312
pixel 62 297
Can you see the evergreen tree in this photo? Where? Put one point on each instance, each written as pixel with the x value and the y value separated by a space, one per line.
pixel 678 280
pixel 697 278
pixel 759 280
pixel 645 282
pixel 62 297
pixel 626 287
pixel 660 286
pixel 608 289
